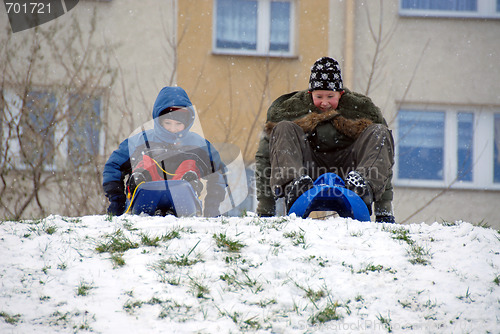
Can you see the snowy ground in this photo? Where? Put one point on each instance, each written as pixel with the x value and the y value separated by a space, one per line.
pixel 135 274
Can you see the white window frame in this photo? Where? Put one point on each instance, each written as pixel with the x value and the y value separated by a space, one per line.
pixel 263 32
pixel 483 149
pixel 61 157
pixel 485 9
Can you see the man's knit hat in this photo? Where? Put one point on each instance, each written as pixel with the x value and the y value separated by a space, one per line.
pixel 177 114
pixel 325 75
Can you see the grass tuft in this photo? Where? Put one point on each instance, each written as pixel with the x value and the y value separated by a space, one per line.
pixel 10 319
pixel 385 321
pixel 222 241
pixel 84 288
pixel 41 227
pixel 118 260
pixel 419 254
pixel 116 242
pixel 329 313
pixel 298 238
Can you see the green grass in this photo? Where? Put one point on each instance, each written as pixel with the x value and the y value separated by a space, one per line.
pixel 130 306
pixel 328 313
pixel 83 289
pixel 181 260
pixel 116 242
pixel 222 241
pixel 419 254
pixel 41 227
pixel 297 237
pixel 155 241
pixel 467 297
pixel 10 319
pixel 241 279
pixel 401 233
pixel 375 268
pixel 118 260
pixel 385 321
pixel 198 289
pixel 315 296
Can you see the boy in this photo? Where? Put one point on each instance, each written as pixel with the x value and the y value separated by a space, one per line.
pixel 326 128
pixel 168 151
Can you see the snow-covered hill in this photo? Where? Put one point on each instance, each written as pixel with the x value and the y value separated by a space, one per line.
pixel 135 274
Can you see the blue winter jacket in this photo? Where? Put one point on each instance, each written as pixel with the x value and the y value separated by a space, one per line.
pixel 118 165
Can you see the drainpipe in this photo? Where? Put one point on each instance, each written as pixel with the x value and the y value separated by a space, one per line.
pixel 348 72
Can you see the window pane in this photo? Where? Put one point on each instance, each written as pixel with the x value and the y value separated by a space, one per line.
pixel 37 129
pixel 465 146
pixel 451 5
pixel 280 26
pixel 236 24
pixel 496 161
pixel 498 5
pixel 84 129
pixel 421 145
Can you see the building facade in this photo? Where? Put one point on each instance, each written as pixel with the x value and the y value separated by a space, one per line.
pixel 430 66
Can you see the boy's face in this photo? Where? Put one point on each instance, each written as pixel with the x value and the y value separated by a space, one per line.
pixel 172 125
pixel 326 100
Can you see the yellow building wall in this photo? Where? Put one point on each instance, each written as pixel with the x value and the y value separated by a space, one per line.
pixel 232 93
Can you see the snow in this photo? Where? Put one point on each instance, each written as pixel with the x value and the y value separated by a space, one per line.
pixel 281 275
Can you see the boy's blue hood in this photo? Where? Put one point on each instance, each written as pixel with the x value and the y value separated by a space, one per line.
pixel 171 97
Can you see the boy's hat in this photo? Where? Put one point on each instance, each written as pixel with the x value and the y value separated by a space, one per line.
pixel 325 75
pixel 177 114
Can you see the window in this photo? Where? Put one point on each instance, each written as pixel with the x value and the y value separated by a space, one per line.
pixel 83 129
pixel 54 132
pixel 421 145
pixel 253 27
pixel 496 152
pixel 446 147
pixel 465 149
pixel 451 8
pixel 37 130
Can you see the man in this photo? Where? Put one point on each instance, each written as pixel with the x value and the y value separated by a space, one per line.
pixel 326 128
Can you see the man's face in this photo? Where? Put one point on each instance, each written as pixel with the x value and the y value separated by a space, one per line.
pixel 326 100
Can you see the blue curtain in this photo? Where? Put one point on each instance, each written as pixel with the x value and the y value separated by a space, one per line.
pixel 465 151
pixel 421 145
pixel 84 129
pixel 496 158
pixel 451 5
pixel 38 128
pixel 280 26
pixel 236 24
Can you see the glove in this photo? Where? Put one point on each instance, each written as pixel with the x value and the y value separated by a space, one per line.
pixel 116 205
pixel 194 180
pixel 137 178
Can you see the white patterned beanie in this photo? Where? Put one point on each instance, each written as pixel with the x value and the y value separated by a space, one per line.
pixel 325 75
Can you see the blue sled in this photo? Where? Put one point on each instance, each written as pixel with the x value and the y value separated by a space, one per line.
pixel 330 194
pixel 176 197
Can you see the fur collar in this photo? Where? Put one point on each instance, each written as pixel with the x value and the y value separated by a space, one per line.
pixel 351 128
